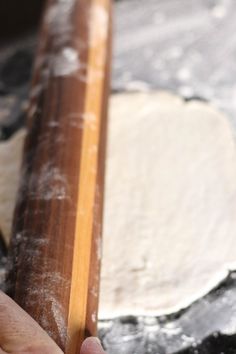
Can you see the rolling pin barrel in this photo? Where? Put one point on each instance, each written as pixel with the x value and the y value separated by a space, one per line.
pixel 56 238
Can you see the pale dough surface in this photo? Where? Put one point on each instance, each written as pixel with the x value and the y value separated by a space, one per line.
pixel 170 202
pixel 10 161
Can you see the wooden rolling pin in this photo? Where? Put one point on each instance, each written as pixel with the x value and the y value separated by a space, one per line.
pixel 56 239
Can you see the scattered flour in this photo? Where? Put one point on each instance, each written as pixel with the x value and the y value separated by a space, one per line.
pixel 65 63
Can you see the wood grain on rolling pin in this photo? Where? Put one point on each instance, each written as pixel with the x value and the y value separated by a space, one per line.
pixel 55 252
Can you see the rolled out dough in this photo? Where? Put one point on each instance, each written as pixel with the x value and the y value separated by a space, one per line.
pixel 10 161
pixel 170 202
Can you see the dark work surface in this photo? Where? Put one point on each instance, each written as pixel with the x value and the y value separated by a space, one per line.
pixel 184 46
pixel 16 61
pixel 187 47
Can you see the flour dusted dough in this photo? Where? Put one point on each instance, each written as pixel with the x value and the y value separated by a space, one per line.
pixel 170 205
pixel 10 161
pixel 170 202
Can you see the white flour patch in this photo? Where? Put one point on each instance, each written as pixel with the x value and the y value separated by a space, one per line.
pixel 94 317
pixel 55 309
pixel 59 318
pixel 49 183
pixel 65 63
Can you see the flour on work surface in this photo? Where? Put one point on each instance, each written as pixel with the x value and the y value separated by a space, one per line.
pixel 170 204
pixel 10 161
